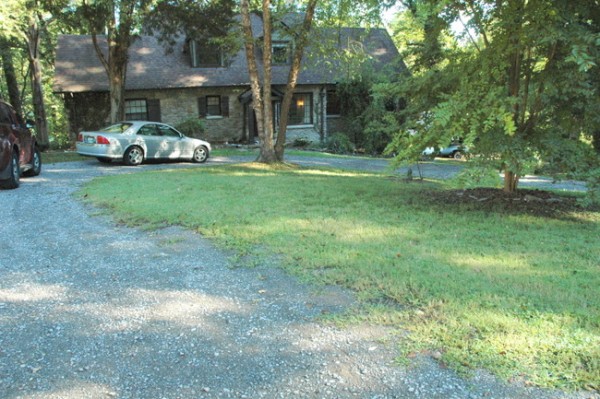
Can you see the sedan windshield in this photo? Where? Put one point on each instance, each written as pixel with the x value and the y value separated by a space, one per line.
pixel 116 128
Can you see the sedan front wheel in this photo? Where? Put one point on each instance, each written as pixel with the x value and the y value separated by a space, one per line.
pixel 133 156
pixel 200 154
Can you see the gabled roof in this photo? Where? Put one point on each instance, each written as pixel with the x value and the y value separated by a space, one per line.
pixel 151 67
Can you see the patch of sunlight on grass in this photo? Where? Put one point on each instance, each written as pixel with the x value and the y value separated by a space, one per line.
pixel 487 289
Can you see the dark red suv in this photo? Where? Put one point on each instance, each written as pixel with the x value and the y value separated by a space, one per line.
pixel 19 153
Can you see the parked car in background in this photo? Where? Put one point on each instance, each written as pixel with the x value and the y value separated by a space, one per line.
pixel 455 150
pixel 19 153
pixel 133 142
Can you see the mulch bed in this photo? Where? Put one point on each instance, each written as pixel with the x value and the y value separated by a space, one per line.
pixel 534 202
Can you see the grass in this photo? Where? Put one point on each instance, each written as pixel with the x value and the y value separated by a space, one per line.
pixel 512 293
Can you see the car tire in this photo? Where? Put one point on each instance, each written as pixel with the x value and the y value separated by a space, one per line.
pixel 36 163
pixel 104 159
pixel 15 173
pixel 457 155
pixel 200 154
pixel 134 156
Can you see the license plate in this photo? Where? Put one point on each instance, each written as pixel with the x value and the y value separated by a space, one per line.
pixel 90 140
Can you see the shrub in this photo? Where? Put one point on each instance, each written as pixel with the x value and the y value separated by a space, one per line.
pixel 192 127
pixel 339 144
pixel 301 142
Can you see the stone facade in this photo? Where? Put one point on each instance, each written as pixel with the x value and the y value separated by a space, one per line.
pixel 178 105
pixel 89 111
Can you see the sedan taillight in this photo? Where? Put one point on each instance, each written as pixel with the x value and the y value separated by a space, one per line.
pixel 102 140
pixel 80 137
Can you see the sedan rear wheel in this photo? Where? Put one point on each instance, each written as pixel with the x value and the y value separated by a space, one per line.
pixel 458 155
pixel 200 154
pixel 15 173
pixel 133 156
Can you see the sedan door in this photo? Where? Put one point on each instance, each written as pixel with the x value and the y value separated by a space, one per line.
pixel 173 140
pixel 151 137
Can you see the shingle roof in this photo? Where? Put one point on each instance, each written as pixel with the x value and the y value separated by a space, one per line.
pixel 151 67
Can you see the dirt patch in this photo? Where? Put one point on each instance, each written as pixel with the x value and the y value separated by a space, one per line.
pixel 533 202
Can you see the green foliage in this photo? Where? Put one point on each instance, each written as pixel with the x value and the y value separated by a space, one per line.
pixel 192 127
pixel 592 197
pixel 339 143
pixel 372 112
pixel 520 86
pixel 198 20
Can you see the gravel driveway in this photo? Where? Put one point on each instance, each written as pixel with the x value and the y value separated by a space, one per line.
pixel 93 309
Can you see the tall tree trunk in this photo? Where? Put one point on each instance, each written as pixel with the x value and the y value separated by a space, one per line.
pixel 293 78
pixel 39 107
pixel 267 149
pixel 119 26
pixel 116 70
pixel 12 83
pixel 117 76
pixel 257 103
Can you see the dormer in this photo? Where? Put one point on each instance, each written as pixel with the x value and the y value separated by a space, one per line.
pixel 204 54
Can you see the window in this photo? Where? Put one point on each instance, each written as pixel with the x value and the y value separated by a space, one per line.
pixel 136 110
pixel 148 130
pixel 206 54
pixel 301 109
pixel 213 105
pixel 167 131
pixel 333 103
pixel 281 53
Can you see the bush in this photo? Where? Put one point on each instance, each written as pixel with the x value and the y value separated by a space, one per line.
pixel 592 197
pixel 192 127
pixel 339 144
pixel 301 142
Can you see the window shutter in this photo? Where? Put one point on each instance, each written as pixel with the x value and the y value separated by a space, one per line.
pixel 202 107
pixel 153 110
pixel 225 106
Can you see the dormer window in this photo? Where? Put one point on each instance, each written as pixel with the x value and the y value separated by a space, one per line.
pixel 206 55
pixel 281 53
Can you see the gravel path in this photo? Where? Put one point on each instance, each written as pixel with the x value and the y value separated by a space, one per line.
pixel 92 309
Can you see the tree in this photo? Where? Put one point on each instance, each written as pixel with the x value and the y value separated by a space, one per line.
pixel 26 21
pixel 10 75
pixel 270 150
pixel 120 21
pixel 517 84
pixel 330 13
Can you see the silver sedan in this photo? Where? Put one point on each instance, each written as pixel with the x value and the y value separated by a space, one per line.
pixel 135 141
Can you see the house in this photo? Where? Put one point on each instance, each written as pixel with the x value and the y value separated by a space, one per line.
pixel 197 81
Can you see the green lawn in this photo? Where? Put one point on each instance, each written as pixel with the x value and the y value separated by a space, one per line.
pixel 513 293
